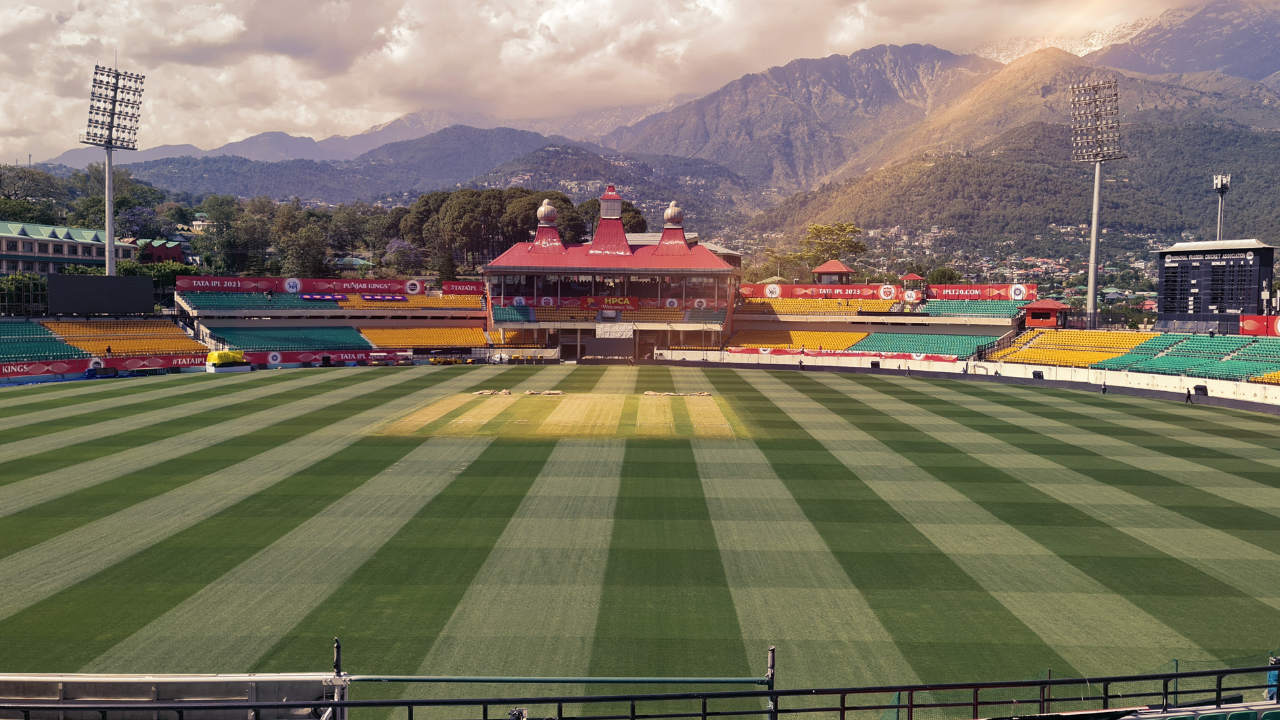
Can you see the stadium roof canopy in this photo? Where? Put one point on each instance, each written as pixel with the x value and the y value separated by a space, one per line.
pixel 1216 245
pixel 832 267
pixel 50 232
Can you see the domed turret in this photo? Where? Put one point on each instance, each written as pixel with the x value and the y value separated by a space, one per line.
pixel 673 215
pixel 547 213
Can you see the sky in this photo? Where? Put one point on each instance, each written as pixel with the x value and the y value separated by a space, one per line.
pixel 217 72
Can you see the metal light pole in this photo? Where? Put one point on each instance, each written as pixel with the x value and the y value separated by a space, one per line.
pixel 1221 183
pixel 1095 138
pixel 115 105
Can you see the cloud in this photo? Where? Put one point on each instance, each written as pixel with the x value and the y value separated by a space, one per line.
pixel 221 71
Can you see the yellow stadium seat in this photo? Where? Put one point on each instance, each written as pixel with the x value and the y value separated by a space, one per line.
pixel 126 337
pixel 795 339
pixel 415 302
pixel 816 306
pixel 1071 348
pixel 440 337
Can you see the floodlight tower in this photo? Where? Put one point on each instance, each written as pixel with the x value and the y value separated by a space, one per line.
pixel 1221 183
pixel 1095 138
pixel 115 105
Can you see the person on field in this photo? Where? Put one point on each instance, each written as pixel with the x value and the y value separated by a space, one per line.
pixel 1188 400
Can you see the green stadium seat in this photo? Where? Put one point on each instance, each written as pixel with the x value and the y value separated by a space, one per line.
pixel 1270 715
pixel 1212 716
pixel 961 346
pixel 1244 715
pixel 706 317
pixel 22 341
pixel 513 313
pixel 973 308
pixel 291 339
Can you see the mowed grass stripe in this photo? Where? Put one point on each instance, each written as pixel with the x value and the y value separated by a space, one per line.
pixel 37 511
pixel 1055 497
pixel 11 395
pixel 788 589
pixel 554 550
pixel 36 573
pixel 88 464
pixel 90 395
pixel 946 625
pixel 688 379
pixel 226 627
pixel 654 379
pixel 666 608
pixel 506 378
pixel 391 610
pixel 617 380
pixel 1158 434
pixel 60 450
pixel 547 378
pixel 126 417
pixel 1094 629
pixel 1195 422
pixel 71 628
pixel 583 379
pixel 1224 553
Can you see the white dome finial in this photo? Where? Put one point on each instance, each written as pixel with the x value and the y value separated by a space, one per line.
pixel 547 213
pixel 673 215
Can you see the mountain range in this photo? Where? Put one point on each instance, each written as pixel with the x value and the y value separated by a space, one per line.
pixel 787 129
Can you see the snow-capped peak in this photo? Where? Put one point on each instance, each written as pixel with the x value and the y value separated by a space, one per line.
pixel 1006 51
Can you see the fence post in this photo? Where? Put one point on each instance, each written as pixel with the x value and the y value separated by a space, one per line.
pixel 1048 693
pixel 911 704
pixel 1218 692
pixel 975 704
pixel 1106 696
pixel 1164 695
pixel 771 676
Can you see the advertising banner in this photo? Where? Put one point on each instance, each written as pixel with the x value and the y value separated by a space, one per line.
pixel 842 353
pixel 983 292
pixel 275 357
pixel 815 292
pixel 463 287
pixel 616 303
pixel 193 283
pixel 80 365
pixel 1267 325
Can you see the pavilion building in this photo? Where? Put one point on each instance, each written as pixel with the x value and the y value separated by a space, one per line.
pixel 675 293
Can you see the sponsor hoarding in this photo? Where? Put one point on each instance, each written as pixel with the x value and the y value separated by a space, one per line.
pixel 192 283
pixel 1266 325
pixel 622 303
pixel 80 365
pixel 842 353
pixel 463 287
pixel 815 292
pixel 1015 291
pixel 279 358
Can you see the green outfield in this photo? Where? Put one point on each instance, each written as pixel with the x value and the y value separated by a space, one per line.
pixel 877 530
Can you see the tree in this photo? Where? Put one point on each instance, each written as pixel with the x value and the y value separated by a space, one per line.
pixel 26 183
pixel 306 253
pixel 632 219
pixel 143 222
pixel 446 268
pixel 26 211
pixel 830 242
pixel 945 276
pixel 521 218
pixel 403 257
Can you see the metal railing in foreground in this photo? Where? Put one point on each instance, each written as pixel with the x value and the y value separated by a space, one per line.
pixel 1028 697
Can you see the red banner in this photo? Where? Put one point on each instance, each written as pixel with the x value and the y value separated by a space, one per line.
pixel 842 353
pixel 471 287
pixel 623 303
pixel 983 292
pixel 80 365
pixel 1268 325
pixel 275 357
pixel 193 283
pixel 814 292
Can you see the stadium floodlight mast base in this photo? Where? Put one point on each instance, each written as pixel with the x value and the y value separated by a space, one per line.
pixel 1222 184
pixel 1095 138
pixel 115 105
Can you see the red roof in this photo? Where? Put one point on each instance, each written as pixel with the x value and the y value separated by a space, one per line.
pixel 1046 304
pixel 911 276
pixel 547 240
pixel 832 267
pixel 610 238
pixel 522 257
pixel 673 242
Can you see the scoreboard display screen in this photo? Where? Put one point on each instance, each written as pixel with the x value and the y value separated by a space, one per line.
pixel 1214 282
pixel 100 295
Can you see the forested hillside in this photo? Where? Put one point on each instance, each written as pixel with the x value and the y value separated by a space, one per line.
pixel 1025 180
